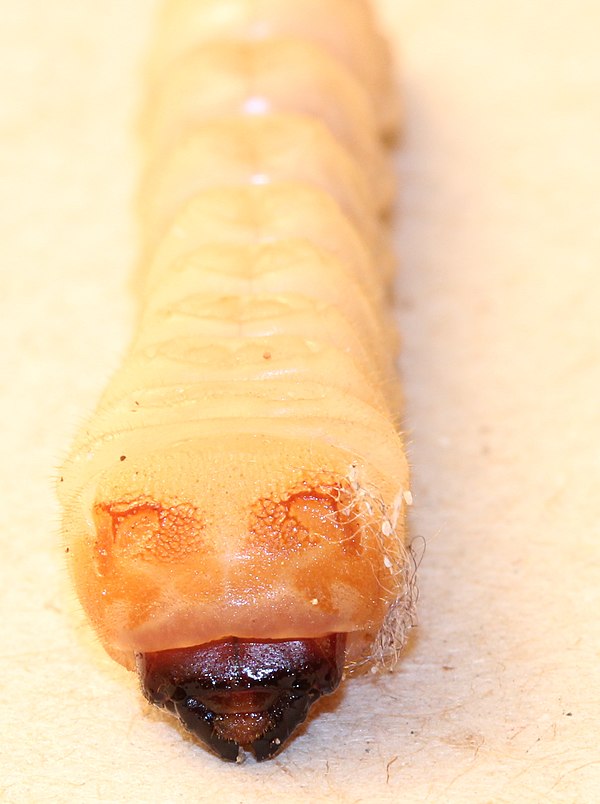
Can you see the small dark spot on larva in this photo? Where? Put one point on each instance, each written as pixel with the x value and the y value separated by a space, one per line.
pixel 123 457
pixel 66 549
pixel 267 355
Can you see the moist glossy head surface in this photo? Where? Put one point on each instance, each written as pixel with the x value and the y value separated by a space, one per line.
pixel 239 693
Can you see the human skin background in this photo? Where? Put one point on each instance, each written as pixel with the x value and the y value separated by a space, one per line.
pixel 498 696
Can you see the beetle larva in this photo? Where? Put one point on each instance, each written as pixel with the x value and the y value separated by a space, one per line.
pixel 234 510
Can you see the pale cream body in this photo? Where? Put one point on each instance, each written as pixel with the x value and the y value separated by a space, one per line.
pixel 343 28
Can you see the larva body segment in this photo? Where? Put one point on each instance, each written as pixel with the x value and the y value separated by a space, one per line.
pixel 237 501
pixel 257 78
pixel 293 213
pixel 344 29
pixel 259 150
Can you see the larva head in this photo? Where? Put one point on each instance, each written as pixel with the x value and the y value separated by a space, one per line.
pixel 239 693
pixel 235 537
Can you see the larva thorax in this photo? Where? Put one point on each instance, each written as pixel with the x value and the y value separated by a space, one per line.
pixel 241 482
pixel 177 566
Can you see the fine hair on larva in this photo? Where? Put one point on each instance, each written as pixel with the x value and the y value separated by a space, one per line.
pixel 399 559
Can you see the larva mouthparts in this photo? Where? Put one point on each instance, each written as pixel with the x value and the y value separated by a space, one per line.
pixel 234 511
pixel 240 693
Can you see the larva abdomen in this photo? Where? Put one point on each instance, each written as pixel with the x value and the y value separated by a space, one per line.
pixel 239 494
pixel 230 150
pixel 257 78
pixel 344 29
pixel 259 150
